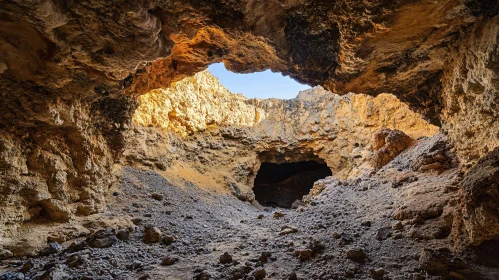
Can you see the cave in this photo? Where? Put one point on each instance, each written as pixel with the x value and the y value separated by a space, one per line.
pixel 113 129
pixel 280 185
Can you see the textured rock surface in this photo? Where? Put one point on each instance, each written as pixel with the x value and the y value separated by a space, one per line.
pixel 480 204
pixel 348 218
pixel 387 144
pixel 471 91
pixel 193 104
pixel 70 73
pixel 316 124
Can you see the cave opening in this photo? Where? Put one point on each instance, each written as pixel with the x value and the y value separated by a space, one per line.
pixel 259 84
pixel 283 184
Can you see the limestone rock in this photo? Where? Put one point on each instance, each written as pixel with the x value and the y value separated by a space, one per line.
pixel 387 144
pixel 194 104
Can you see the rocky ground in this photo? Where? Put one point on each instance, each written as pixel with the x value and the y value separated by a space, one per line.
pixel 390 224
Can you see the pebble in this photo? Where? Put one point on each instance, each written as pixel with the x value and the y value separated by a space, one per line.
pixel 169 261
pixel 356 255
pixel 157 196
pixel 151 235
pixel 52 248
pixel 259 273
pixel 225 258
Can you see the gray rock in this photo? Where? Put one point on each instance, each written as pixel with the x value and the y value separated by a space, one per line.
pixel 52 248
pixel 356 255
pixel 5 254
pixel 102 239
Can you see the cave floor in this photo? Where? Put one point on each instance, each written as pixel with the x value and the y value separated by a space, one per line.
pixel 348 230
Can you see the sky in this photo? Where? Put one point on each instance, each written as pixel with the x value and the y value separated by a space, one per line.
pixel 259 84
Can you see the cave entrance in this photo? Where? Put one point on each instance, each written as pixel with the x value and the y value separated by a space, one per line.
pixel 280 185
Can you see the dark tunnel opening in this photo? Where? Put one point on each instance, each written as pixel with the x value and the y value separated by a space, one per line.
pixel 280 185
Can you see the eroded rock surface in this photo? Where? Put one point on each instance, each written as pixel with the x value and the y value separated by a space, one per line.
pixel 317 125
pixel 71 71
pixel 481 188
pixel 387 144
pixel 360 227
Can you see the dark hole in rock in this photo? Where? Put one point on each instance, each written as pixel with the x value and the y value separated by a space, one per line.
pixel 487 253
pixel 279 185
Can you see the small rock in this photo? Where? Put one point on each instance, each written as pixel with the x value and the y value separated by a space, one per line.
pixel 304 254
pixel 259 273
pixel 287 230
pixel 297 204
pixel 157 196
pixel 366 224
pixel 383 233
pixel 260 216
pixel 345 240
pixel 137 221
pixel 167 239
pixel 102 239
pixel 203 276
pixel 397 225
pixel 292 276
pixel 398 236
pixel 123 235
pixel 55 273
pixel 356 255
pixel 76 260
pixel 5 254
pixel 316 246
pixel 264 257
pixel 226 258
pixel 278 215
pixel 52 248
pixel 169 261
pixel 27 267
pixel 377 273
pixel 151 235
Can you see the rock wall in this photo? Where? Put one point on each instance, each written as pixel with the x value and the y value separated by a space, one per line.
pixel 194 104
pixel 318 123
pixel 471 92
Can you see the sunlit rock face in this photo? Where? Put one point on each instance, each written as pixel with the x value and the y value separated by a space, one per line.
pixel 71 71
pixel 386 145
pixel 317 124
pixel 195 103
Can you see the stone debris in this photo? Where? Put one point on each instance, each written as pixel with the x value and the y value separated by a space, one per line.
pixel 356 255
pixel 151 234
pixel 226 258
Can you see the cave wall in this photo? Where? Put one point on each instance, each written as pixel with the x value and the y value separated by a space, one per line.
pixel 471 92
